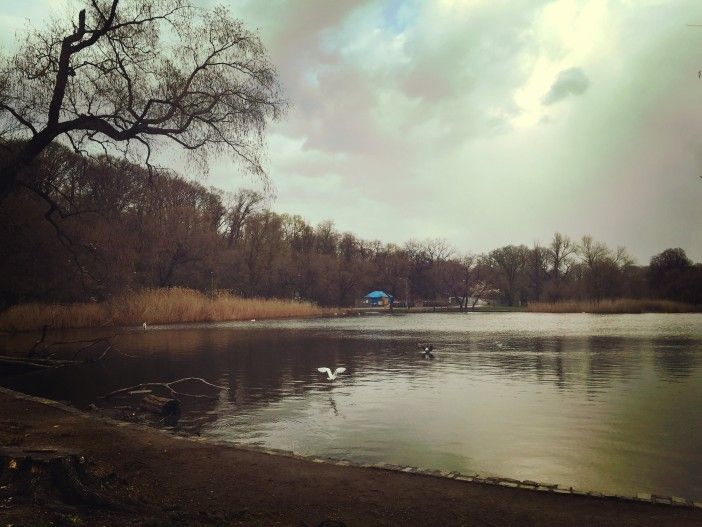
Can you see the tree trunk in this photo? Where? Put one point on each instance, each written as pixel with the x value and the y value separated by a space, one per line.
pixel 8 176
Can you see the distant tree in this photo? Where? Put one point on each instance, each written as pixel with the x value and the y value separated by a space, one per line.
pixel 264 249
pixel 420 276
pixel 348 247
pixel 464 279
pixel 326 238
pixel 455 278
pixel 668 274
pixel 536 272
pixel 393 270
pixel 603 271
pixel 592 252
pixel 239 207
pixel 559 256
pixel 128 77
pixel 424 257
pixel 438 249
pixel 508 265
pixel 669 260
pixel 299 234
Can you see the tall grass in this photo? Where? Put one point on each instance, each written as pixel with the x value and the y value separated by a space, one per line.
pixel 619 305
pixel 154 306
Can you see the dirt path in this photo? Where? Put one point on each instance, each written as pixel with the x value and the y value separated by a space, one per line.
pixel 171 481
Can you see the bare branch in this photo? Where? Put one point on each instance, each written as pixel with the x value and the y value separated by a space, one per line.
pixel 132 76
pixel 168 386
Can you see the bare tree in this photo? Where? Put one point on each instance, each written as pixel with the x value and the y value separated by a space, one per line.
pixel 132 76
pixel 458 278
pixel 438 249
pixel 241 205
pixel 508 263
pixel 592 252
pixel 605 270
pixel 622 258
pixel 559 253
pixel 326 238
pixel 536 270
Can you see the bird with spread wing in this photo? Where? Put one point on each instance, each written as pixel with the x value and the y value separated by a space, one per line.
pixel 331 376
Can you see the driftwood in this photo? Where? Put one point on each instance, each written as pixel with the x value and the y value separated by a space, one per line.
pixel 160 405
pixel 167 386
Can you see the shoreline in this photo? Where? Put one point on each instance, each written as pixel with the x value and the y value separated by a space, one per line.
pixel 178 305
pixel 287 489
pixel 334 314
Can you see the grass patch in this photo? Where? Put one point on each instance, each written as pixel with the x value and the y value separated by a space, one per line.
pixel 619 305
pixel 154 306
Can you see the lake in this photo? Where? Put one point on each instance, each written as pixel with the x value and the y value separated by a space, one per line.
pixel 600 402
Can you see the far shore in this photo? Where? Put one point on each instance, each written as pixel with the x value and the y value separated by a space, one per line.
pixel 153 478
pixel 184 306
pixel 614 306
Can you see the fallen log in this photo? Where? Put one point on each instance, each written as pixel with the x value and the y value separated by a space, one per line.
pixel 160 405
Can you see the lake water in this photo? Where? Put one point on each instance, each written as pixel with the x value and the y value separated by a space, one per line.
pixel 610 403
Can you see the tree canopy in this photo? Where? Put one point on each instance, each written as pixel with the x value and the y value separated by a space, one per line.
pixel 125 78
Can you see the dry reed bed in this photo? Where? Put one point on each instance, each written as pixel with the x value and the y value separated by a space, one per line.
pixel 620 305
pixel 154 306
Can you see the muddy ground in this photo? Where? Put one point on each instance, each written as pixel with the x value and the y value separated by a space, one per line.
pixel 129 475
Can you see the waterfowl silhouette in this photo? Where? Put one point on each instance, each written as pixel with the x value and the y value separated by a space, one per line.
pixel 426 350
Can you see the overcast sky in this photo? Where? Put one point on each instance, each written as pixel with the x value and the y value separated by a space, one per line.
pixel 485 122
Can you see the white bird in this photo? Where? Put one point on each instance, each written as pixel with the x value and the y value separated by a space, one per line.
pixel 253 320
pixel 144 325
pixel 331 376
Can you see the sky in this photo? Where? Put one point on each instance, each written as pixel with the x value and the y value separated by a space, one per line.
pixel 482 122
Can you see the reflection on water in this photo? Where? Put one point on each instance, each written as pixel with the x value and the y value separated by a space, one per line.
pixel 600 402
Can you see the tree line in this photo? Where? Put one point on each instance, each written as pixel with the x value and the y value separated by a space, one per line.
pixel 89 228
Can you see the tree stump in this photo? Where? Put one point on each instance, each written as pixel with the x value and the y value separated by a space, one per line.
pixel 51 474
